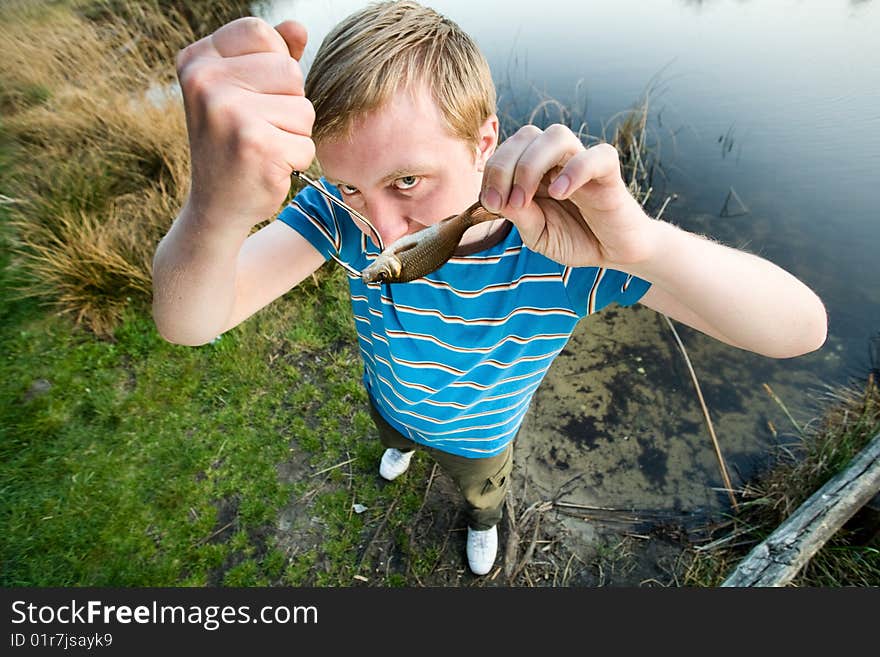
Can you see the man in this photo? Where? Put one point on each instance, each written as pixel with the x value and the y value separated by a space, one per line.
pixel 403 110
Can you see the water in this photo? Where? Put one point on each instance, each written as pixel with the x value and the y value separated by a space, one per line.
pixel 779 101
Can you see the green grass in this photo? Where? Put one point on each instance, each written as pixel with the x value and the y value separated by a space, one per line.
pixel 116 474
pixel 148 464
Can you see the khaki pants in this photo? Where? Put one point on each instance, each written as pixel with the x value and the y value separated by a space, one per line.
pixel 482 482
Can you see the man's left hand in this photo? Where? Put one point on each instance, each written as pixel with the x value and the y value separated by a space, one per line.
pixel 569 202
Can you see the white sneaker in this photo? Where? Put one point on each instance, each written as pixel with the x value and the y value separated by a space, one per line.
pixel 482 546
pixel 394 463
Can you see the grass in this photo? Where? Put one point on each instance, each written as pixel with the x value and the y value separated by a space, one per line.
pixel 134 462
pixel 98 167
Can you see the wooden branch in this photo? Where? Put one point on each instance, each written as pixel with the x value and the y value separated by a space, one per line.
pixel 777 560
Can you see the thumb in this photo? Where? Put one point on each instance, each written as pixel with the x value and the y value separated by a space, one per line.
pixel 295 35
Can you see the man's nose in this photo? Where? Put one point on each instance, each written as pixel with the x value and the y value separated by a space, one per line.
pixel 388 220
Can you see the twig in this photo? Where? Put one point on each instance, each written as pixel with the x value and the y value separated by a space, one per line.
pixel 332 467
pixel 718 455
pixel 630 520
pixel 724 539
pixel 417 516
pixel 572 505
pixel 725 211
pixel 376 534
pixel 427 490
pixel 663 207
pixel 540 506
pixel 567 567
pixel 529 552
pixel 219 531
pixel 773 396
pixel 445 542
pixel 512 546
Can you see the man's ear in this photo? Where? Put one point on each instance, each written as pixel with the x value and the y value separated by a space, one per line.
pixel 488 141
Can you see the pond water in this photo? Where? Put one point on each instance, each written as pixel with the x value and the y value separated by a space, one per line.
pixel 779 101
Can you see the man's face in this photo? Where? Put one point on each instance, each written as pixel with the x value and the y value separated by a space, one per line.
pixel 403 168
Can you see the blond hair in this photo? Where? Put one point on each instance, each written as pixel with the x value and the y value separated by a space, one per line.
pixel 389 46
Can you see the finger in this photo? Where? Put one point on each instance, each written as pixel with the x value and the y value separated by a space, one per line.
pixel 265 72
pixel 248 35
pixel 200 48
pixel 599 163
pixel 295 35
pixel 556 146
pixel 531 224
pixel 293 114
pixel 498 176
pixel 297 151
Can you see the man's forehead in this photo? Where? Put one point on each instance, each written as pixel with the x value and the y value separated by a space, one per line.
pixel 405 136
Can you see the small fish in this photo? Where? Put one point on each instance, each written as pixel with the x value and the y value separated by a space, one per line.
pixel 418 254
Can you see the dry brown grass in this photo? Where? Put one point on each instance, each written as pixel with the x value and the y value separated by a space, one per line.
pixel 99 155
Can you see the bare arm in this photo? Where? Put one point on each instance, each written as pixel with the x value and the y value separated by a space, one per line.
pixel 206 283
pixel 571 204
pixel 249 127
pixel 733 296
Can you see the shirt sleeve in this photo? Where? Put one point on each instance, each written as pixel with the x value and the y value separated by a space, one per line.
pixel 591 289
pixel 316 219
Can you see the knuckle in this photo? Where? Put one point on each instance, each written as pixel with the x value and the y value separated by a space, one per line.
pixel 182 59
pixel 529 130
pixel 249 139
pixel 291 71
pixel 564 135
pixel 494 170
pixel 305 154
pixel 308 112
pixel 222 111
pixel 558 129
pixel 258 31
pixel 200 84
pixel 527 172
pixel 194 82
pixel 607 149
pixel 578 164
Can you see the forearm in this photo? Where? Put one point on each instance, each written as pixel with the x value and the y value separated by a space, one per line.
pixel 744 300
pixel 194 272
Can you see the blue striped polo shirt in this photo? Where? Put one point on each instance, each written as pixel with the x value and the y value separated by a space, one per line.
pixel 453 359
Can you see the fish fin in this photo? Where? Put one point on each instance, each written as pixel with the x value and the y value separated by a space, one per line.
pixel 478 213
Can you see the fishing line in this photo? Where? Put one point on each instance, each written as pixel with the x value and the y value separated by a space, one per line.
pixel 354 273
pixel 354 213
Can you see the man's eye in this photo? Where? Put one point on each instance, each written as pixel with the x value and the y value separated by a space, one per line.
pixel 347 189
pixel 406 182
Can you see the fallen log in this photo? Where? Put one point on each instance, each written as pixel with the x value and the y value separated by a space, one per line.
pixel 777 560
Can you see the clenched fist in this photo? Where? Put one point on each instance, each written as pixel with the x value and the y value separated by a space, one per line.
pixel 248 119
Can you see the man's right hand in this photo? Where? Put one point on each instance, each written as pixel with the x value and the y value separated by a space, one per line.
pixel 248 119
